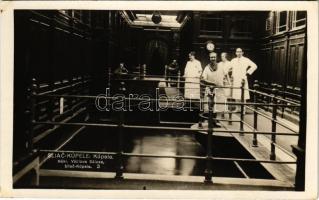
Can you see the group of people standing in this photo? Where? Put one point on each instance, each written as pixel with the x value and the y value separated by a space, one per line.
pixel 224 74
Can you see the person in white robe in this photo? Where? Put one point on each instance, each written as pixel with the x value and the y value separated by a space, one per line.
pixel 214 74
pixel 225 66
pixel 241 67
pixel 192 74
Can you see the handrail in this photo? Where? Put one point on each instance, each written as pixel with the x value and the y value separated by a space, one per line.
pixel 210 83
pixel 270 118
pixel 290 93
pixel 154 99
pixel 161 128
pixel 277 145
pixel 285 150
pixel 63 88
pixel 272 96
pixel 120 126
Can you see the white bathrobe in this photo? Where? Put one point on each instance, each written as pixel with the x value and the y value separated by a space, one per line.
pixel 217 78
pixel 192 73
pixel 240 68
pixel 225 66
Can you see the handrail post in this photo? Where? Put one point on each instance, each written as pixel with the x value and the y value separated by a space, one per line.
pixel 273 126
pixel 31 113
pixel 268 100
pixel 178 79
pixel 201 104
pixel 109 75
pixel 255 141
pixel 242 106
pixel 208 170
pixel 256 88
pixel 120 167
pixel 283 96
pixel 144 70
pixel 141 71
pixel 73 89
pixel 230 115
pixel 165 75
pixel 51 105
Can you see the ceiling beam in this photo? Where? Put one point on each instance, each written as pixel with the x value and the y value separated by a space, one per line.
pixel 131 15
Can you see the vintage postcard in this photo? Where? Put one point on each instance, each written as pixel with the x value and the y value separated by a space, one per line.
pixel 159 99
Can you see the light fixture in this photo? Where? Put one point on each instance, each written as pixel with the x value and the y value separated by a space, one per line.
pixel 156 17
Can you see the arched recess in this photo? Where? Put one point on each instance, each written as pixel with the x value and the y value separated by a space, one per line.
pixel 156 56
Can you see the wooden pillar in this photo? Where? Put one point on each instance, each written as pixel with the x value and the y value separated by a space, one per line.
pixel 140 46
pixel 196 29
pixel 176 45
pixel 109 38
pixel 299 150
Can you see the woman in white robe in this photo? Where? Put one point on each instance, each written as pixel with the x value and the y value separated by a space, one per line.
pixel 192 74
pixel 225 66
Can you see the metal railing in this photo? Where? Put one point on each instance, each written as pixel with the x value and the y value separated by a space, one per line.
pixel 121 125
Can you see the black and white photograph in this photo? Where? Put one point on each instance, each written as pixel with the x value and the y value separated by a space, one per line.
pixel 143 99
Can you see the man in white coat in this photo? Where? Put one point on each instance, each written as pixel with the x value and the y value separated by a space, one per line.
pixel 241 67
pixel 192 74
pixel 214 75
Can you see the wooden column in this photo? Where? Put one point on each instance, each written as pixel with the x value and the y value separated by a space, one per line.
pixel 196 29
pixel 176 44
pixel 299 150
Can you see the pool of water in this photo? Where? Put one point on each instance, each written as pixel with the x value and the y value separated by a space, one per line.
pixel 162 142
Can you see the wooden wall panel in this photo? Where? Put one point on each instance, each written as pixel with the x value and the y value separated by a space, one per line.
pixel 37 45
pixel 267 76
pixel 275 65
pixel 229 37
pixel 282 65
pixel 287 55
pixel 300 64
pixel 292 59
pixel 50 46
pixel 263 64
pixel 295 64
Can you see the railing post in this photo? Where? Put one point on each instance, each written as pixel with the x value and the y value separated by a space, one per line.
pixel 109 75
pixel 242 99
pixel 202 88
pixel 120 167
pixel 255 141
pixel 144 70
pixel 72 101
pixel 283 96
pixel 256 88
pixel 165 75
pixel 178 79
pixel 51 105
pixel 208 170
pixel 230 115
pixel 273 125
pixel 32 113
pixel 141 71
pixel 268 99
